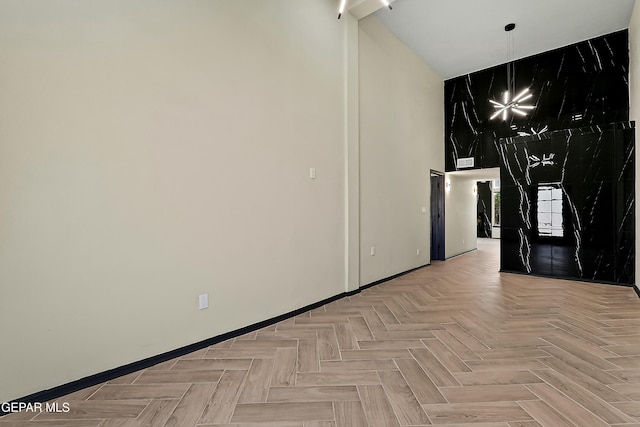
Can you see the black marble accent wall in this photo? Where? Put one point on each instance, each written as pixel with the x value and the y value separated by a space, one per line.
pixel 575 86
pixel 484 209
pixel 568 203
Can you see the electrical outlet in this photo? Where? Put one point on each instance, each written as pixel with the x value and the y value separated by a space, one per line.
pixel 312 173
pixel 373 250
pixel 203 301
pixel 418 251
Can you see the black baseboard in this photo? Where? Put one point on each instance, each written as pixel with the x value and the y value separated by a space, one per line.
pixel 462 253
pixel 635 288
pixel 377 282
pixel 71 387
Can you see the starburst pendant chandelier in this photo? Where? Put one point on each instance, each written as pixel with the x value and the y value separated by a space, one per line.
pixel 511 103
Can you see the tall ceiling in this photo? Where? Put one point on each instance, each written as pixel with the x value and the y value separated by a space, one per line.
pixel 457 37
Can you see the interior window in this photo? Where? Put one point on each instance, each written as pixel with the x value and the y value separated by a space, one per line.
pixel 495 189
pixel 496 208
pixel 550 219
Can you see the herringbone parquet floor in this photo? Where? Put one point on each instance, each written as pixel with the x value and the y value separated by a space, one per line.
pixel 456 343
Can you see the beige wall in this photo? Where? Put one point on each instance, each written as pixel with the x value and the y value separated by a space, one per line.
pixel 634 95
pixel 461 208
pixel 401 140
pixel 152 151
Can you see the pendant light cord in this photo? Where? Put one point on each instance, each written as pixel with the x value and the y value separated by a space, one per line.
pixel 511 84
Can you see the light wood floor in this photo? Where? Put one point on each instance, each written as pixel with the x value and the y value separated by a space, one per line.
pixel 456 343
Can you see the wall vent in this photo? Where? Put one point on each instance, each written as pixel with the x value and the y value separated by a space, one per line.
pixel 467 162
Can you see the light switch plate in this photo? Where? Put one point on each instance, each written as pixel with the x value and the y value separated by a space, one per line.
pixel 203 301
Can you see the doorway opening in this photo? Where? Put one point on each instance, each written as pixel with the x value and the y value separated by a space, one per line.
pixel 468 226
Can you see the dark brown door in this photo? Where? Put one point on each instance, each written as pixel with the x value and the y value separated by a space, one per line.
pixel 437 217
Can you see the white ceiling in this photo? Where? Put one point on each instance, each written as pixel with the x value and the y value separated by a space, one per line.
pixel 457 37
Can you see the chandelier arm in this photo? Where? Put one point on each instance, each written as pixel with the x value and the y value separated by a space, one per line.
pixel 523 95
pixel 498 112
